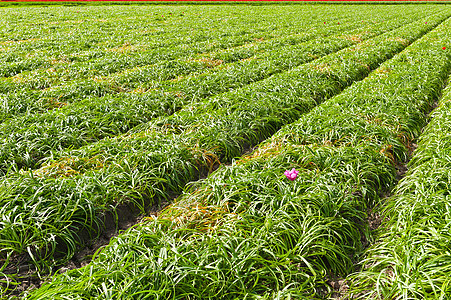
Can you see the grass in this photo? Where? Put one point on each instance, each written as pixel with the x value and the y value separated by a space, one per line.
pixel 151 164
pixel 243 233
pixel 246 232
pixel 155 162
pixel 411 257
pixel 34 137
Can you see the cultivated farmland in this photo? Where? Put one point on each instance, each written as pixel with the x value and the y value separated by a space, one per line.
pixel 183 120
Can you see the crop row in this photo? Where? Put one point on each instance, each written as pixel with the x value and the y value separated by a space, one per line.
pixel 139 78
pixel 411 259
pixel 20 99
pixel 247 232
pixel 126 22
pixel 87 50
pixel 84 41
pixel 48 207
pixel 30 138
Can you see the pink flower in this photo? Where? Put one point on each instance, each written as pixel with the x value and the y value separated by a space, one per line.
pixel 291 175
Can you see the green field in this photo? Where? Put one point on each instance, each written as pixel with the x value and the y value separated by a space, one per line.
pixel 181 121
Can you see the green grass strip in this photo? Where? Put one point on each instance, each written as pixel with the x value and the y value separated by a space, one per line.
pixel 48 207
pixel 246 232
pixel 31 138
pixel 141 52
pixel 411 258
pixel 84 51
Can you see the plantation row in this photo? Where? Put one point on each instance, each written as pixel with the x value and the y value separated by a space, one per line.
pixel 45 209
pixel 187 50
pixel 134 56
pixel 32 137
pixel 412 257
pixel 137 78
pixel 73 38
pixel 112 123
pixel 105 55
pixel 247 232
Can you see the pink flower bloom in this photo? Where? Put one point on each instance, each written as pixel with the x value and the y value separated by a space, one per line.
pixel 291 175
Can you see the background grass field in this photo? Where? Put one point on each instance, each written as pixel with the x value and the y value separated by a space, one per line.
pixel 169 128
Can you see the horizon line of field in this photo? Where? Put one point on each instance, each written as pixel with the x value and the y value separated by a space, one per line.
pixel 400 47
pixel 218 1
pixel 77 143
pixel 422 104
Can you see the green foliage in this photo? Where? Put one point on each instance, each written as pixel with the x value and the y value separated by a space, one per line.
pixel 414 243
pixel 130 98
pixel 246 232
